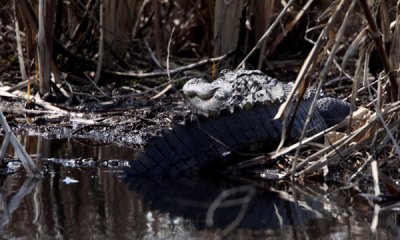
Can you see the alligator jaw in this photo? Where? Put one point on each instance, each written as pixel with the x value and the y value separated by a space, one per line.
pixel 200 95
pixel 206 107
pixel 208 98
pixel 198 87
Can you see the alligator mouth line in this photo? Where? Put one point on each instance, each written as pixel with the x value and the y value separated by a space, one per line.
pixel 202 95
pixel 198 99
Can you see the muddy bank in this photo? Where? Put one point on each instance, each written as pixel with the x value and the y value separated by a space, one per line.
pixel 130 125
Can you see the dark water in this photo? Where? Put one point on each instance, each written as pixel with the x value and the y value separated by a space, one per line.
pixel 104 205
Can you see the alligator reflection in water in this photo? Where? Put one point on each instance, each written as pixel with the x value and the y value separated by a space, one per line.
pixel 306 212
pixel 208 204
pixel 100 205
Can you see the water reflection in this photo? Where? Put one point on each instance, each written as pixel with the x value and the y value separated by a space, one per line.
pixel 11 203
pixel 105 205
pixel 201 200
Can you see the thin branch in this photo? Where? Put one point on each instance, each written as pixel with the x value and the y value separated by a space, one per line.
pixel 379 115
pixel 344 147
pixel 170 85
pixel 376 36
pixel 308 65
pixel 223 201
pixel 375 176
pixel 19 47
pixel 324 72
pixel 169 53
pixel 101 45
pixel 289 27
pixel 153 57
pixel 266 34
pixel 171 72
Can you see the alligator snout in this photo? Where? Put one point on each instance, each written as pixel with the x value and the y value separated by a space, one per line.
pixel 200 88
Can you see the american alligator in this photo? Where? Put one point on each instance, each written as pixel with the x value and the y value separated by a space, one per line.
pixel 239 107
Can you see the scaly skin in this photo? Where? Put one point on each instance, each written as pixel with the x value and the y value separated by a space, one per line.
pixel 243 89
pixel 231 133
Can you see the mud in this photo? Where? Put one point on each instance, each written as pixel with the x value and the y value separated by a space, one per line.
pixel 125 124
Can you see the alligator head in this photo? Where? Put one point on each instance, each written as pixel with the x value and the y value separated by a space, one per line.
pixel 242 88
